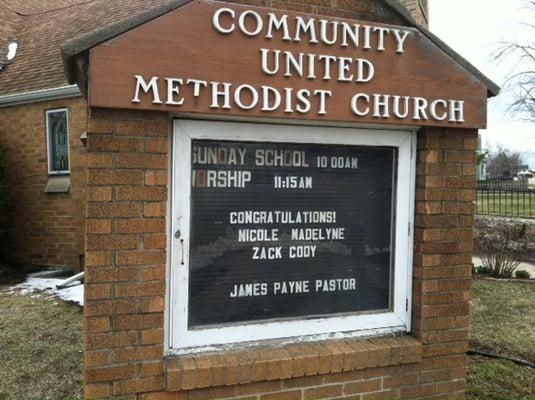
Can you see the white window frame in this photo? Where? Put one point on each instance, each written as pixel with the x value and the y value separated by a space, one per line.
pixel 48 149
pixel 180 340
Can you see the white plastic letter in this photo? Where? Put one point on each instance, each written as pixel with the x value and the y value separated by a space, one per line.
pixel 367 37
pixel 292 62
pixel 355 104
pixel 288 92
pixel 197 86
pixel 238 99
pixel 216 93
pixel 216 20
pixel 381 41
pixel 278 24
pixel 323 32
pixel 351 32
pixel 401 37
pixel 141 85
pixel 434 112
pixel 173 88
pixel 420 108
pixel 381 101
pixel 303 96
pixel 265 66
pixel 362 64
pixel 258 19
pixel 327 60
pixel 266 90
pixel 323 96
pixel 303 26
pixel 397 107
pixel 344 63
pixel 456 111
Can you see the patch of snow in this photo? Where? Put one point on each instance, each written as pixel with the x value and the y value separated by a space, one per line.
pixel 12 50
pixel 35 283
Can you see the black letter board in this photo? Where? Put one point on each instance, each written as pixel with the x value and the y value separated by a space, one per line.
pixel 288 231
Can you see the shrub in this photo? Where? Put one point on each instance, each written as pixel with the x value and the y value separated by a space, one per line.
pixel 483 270
pixel 522 274
pixel 503 243
pixel 3 201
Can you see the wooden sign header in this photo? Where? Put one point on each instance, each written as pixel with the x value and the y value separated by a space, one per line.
pixel 226 59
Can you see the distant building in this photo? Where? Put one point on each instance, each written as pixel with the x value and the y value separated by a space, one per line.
pixel 524 170
pixel 482 165
pixel 526 174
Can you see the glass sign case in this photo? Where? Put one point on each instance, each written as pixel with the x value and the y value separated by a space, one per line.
pixel 292 227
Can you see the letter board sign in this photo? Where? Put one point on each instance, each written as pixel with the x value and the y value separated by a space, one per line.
pixel 289 230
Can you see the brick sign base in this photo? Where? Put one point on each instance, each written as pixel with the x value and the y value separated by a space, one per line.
pixel 125 286
pixel 125 276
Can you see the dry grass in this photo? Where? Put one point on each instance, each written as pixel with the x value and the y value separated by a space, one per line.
pixel 40 349
pixel 503 318
pixel 503 322
pixel 499 380
pixel 41 345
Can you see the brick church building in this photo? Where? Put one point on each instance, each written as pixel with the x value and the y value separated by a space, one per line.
pixel 43 119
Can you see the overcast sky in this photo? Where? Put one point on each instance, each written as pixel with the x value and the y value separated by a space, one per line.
pixel 474 28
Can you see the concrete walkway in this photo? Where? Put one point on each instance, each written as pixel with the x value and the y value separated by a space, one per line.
pixel 526 266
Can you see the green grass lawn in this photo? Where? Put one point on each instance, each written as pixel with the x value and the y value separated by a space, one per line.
pixel 506 204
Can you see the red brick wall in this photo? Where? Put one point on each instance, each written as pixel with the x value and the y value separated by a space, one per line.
pixel 366 10
pixel 419 10
pixel 125 253
pixel 125 286
pixel 45 229
pixel 126 270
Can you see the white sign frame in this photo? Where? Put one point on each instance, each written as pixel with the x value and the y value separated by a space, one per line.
pixel 180 340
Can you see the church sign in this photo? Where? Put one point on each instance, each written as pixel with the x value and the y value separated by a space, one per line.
pixel 293 164
pixel 296 216
pixel 233 60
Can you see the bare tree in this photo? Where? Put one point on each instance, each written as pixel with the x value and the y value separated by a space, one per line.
pixel 503 163
pixel 522 78
pixel 503 243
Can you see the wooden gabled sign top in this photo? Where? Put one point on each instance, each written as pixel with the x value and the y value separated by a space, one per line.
pixel 226 59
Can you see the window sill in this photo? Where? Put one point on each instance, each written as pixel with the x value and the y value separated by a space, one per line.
pixel 290 361
pixel 58 184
